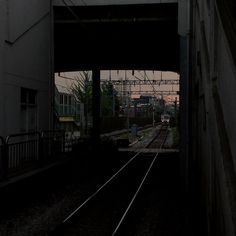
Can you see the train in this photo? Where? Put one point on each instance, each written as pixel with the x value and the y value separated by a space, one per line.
pixel 165 118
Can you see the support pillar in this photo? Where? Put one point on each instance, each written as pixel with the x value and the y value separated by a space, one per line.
pixel 184 26
pixel 184 108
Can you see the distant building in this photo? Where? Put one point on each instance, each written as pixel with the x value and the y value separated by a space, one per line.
pixel 67 110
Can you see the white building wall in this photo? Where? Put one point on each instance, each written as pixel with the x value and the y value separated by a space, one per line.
pixel 25 44
pixel 2 93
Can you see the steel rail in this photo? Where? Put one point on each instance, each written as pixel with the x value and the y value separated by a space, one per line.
pixel 152 140
pixel 139 188
pixel 134 197
pixel 99 189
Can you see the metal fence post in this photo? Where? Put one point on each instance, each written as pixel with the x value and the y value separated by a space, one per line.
pixel 22 151
pixel 63 141
pixel 41 150
pixel 4 160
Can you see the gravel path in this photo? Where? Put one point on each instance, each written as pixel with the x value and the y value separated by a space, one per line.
pixel 35 207
pixel 39 206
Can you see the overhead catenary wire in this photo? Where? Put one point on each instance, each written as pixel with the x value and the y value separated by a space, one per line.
pixel 137 81
pixel 144 77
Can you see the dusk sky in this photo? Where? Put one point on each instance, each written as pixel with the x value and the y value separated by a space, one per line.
pixel 64 84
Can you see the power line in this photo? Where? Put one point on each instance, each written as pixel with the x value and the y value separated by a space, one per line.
pixel 141 82
pixel 134 82
pixel 154 90
pixel 156 93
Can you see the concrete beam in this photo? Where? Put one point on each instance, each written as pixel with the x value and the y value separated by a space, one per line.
pixel 107 2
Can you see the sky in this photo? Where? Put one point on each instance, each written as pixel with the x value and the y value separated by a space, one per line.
pixel 66 79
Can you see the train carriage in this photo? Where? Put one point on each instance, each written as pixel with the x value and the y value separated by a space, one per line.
pixel 165 118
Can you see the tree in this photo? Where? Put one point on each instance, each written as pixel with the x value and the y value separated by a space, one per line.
pixel 109 100
pixel 82 91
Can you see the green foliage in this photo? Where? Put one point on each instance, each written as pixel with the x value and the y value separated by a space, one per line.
pixel 82 90
pixel 109 100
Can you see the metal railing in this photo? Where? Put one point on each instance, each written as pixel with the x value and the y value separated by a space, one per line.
pixel 53 145
pixel 20 153
pixel 3 159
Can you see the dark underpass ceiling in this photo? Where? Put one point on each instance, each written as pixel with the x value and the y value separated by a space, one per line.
pixel 116 37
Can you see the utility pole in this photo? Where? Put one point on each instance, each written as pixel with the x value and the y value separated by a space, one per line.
pixel 113 101
pixel 96 109
pixel 113 95
pixel 127 103
pixel 175 109
pixel 153 112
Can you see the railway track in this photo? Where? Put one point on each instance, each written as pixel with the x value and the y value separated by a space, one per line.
pixel 161 135
pixel 106 210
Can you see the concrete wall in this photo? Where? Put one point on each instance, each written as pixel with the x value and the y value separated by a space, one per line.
pixel 183 30
pixel 25 60
pixel 213 101
pixel 107 2
pixel 2 52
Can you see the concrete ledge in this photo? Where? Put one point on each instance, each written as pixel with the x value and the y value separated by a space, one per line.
pixel 148 150
pixel 22 177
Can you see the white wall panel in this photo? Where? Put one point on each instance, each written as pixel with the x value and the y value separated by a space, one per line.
pixel 23 14
pixel 25 60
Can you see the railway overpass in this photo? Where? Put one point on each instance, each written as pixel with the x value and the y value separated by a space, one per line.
pixel 196 39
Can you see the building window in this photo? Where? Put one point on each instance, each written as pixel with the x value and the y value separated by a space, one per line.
pixel 28 110
pixel 65 97
pixel 69 100
pixel 61 99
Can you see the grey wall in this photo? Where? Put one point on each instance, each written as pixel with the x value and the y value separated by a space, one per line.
pixel 2 51
pixel 183 30
pixel 25 60
pixel 108 2
pixel 213 102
